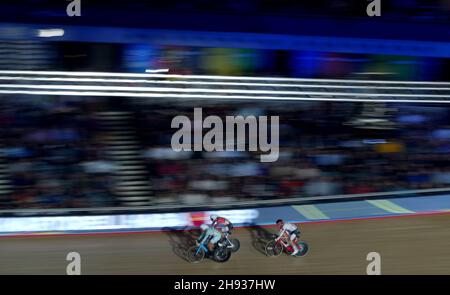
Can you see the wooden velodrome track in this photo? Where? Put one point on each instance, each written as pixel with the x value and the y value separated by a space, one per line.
pixel 407 245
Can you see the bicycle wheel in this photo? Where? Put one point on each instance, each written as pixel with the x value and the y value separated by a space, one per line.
pixel 222 254
pixel 273 248
pixel 303 249
pixel 236 245
pixel 195 256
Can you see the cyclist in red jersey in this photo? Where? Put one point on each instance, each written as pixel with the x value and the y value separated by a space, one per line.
pixel 221 224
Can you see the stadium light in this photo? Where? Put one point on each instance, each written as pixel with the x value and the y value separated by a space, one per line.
pixel 48 33
pixel 157 71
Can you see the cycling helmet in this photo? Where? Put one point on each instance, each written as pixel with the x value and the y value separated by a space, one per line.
pixel 213 217
pixel 204 227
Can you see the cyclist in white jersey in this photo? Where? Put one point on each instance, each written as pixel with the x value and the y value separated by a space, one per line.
pixel 290 231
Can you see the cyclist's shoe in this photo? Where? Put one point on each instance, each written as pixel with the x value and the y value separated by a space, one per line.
pixel 295 252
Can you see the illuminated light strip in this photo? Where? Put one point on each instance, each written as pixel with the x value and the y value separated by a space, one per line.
pixel 208 97
pixel 209 77
pixel 201 90
pixel 17 78
pixel 374 73
pixel 48 33
pixel 81 74
pixel 157 71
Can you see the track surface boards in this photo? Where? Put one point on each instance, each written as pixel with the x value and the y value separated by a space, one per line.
pixel 407 245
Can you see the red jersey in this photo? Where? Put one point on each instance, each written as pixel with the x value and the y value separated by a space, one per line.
pixel 220 222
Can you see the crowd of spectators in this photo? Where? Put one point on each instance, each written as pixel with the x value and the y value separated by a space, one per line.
pixel 53 153
pixel 321 153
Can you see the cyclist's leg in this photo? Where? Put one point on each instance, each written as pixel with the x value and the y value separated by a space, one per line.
pixel 209 244
pixel 295 235
pixel 216 238
pixel 287 237
pixel 224 233
pixel 226 230
pixel 292 239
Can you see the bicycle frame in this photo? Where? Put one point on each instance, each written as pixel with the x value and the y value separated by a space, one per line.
pixel 228 240
pixel 286 245
pixel 202 246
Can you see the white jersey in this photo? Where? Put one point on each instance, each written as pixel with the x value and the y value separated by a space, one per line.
pixel 287 227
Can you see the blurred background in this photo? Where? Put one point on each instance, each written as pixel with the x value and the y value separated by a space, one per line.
pixel 76 151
